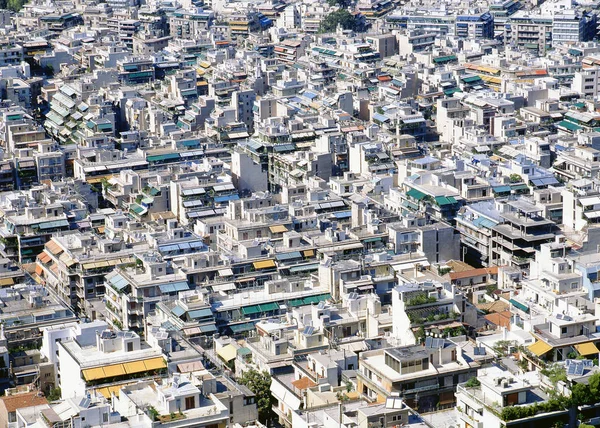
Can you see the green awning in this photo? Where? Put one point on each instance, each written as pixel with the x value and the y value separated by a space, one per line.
pixel 268 307
pixel 137 208
pixel 520 187
pixel 311 299
pixel 377 239
pixel 295 302
pixel 519 305
pixel 244 351
pixel 316 299
pixel 501 189
pixel 471 79
pixel 240 328
pixel 415 194
pixel 249 310
pixel 451 91
pixel 200 313
pixel 569 125
pixel 443 200
pixel 444 59
pixel 165 157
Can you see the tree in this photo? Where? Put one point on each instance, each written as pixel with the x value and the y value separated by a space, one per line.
pixel 54 394
pixel 580 394
pixel 339 17
pixel 515 178
pixel 594 384
pixel 472 382
pixel 260 384
pixel 341 3
pixel 14 5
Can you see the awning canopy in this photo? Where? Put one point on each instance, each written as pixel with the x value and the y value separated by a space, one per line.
pixel 265 264
pixel 174 287
pixel 539 348
pixel 519 305
pixel 227 353
pixel 278 229
pixel 116 370
pixel 4 282
pixel 240 328
pixel 415 194
pixel 225 272
pixel 588 348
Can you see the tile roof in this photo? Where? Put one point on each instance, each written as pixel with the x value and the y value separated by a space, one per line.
pixel 475 272
pixel 14 402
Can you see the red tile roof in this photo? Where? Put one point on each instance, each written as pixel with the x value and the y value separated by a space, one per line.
pixel 474 272
pixel 19 401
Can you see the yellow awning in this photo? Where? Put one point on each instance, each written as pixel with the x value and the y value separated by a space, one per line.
pixel 98 178
pixel 6 281
pixel 155 363
pixel 134 367
pixel 539 348
pixel 278 229
pixel 106 391
pixel 114 370
pixel 588 348
pixel 228 352
pixel 309 253
pixel 265 264
pixel 68 261
pixel 93 374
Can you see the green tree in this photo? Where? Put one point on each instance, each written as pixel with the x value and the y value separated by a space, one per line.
pixel 14 5
pixel 54 394
pixel 260 384
pixel 341 3
pixel 472 382
pixel 594 384
pixel 580 394
pixel 340 17
pixel 515 178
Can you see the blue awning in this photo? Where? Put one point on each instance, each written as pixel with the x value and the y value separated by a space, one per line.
pixel 482 222
pixel 178 310
pixel 304 268
pixel 118 282
pixel 200 313
pixel 174 287
pixel 380 118
pixel 288 256
pixel 226 198
pixel 54 224
pixel 546 181
pixel 343 214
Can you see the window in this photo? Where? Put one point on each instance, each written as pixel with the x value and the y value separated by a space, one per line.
pixel 563 330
